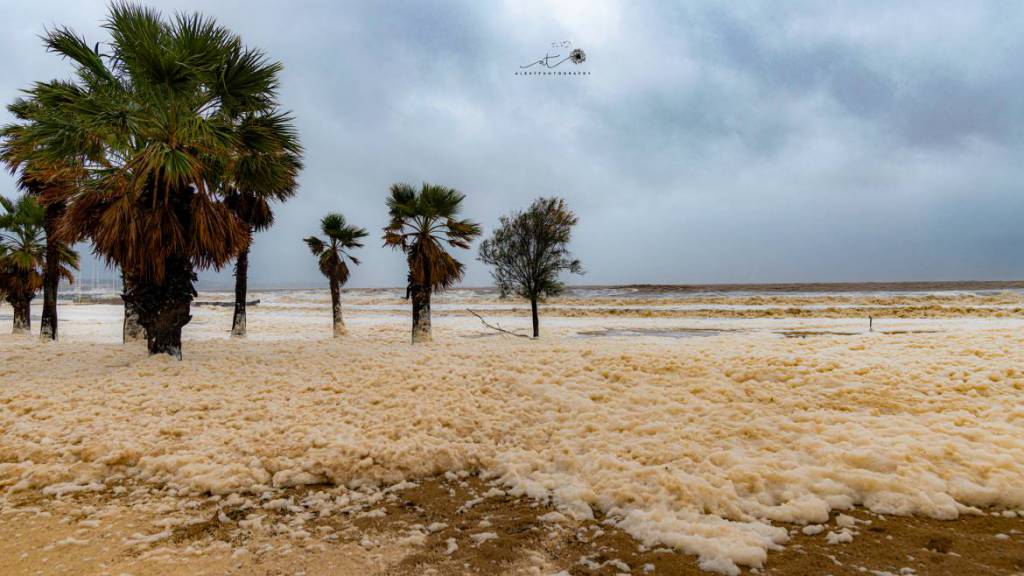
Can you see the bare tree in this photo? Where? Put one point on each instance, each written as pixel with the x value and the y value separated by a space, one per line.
pixel 529 250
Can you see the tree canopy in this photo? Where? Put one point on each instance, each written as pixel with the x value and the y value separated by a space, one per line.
pixel 23 249
pixel 341 237
pixel 422 222
pixel 529 250
pixel 167 118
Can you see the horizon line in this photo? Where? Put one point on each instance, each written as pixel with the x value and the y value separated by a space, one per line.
pixel 723 286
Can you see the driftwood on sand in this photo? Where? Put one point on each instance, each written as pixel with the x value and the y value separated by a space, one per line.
pixel 224 304
pixel 496 327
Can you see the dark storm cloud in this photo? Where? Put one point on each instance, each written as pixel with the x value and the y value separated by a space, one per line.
pixel 830 66
pixel 711 142
pixel 926 105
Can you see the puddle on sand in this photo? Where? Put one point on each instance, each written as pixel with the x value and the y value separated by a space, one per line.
pixel 699 333
pixel 477 335
pixel 808 333
pixel 664 333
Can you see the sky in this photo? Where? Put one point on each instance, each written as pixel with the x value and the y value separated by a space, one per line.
pixel 709 142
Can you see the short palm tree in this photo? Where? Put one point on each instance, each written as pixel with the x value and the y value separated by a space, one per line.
pixel 421 223
pixel 23 257
pixel 159 116
pixel 341 237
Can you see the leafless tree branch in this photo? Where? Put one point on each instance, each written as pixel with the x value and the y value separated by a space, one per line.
pixel 495 327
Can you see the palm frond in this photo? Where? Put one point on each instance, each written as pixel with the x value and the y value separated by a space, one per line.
pixel 316 245
pixel 73 47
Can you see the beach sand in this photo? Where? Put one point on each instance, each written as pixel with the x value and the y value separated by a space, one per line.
pixel 666 444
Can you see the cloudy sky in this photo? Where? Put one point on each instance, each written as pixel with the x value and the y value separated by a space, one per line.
pixel 711 141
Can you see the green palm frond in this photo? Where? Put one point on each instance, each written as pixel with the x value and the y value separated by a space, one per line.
pixel 346 236
pixel 248 80
pixel 316 245
pixel 73 47
pixel 332 225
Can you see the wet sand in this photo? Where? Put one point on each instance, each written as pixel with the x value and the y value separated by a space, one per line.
pixel 41 539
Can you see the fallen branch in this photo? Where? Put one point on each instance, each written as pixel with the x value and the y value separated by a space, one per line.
pixel 495 327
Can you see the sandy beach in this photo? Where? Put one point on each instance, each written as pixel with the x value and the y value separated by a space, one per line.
pixel 519 288
pixel 680 439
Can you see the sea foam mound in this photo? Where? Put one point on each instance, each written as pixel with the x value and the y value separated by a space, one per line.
pixel 698 444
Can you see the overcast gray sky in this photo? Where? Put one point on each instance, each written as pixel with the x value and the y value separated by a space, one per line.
pixel 711 141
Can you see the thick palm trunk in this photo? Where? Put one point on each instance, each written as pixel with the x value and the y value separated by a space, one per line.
pixel 339 323
pixel 420 296
pixel 132 331
pixel 241 288
pixel 164 308
pixel 51 274
pixel 22 313
pixel 536 318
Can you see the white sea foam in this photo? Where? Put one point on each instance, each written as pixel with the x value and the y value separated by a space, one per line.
pixel 700 444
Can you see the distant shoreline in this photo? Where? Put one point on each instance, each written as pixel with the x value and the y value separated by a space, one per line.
pixel 918 286
pixel 770 287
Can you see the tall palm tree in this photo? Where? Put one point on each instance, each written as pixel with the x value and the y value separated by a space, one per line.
pixel 421 223
pixel 23 257
pixel 159 118
pixel 331 254
pixel 258 216
pixel 50 186
pixel 266 170
pixel 42 114
pixel 50 183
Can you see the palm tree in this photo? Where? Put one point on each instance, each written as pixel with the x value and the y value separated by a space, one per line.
pixel 421 222
pixel 49 186
pixel 257 215
pixel 50 183
pixel 331 253
pixel 23 253
pixel 265 171
pixel 158 118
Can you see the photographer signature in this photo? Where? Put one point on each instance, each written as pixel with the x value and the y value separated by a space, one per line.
pixel 577 56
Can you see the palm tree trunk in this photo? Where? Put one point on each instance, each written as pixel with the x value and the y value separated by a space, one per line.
pixel 164 308
pixel 339 323
pixel 51 274
pixel 536 319
pixel 132 331
pixel 420 313
pixel 241 288
pixel 22 313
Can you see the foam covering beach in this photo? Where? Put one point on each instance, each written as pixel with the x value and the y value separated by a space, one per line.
pixel 701 444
